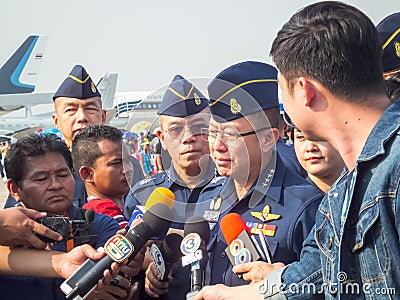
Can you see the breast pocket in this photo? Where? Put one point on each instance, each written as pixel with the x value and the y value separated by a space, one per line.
pixel 325 235
pixel 370 243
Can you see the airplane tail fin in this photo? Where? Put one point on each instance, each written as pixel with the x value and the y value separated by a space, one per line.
pixel 107 86
pixel 20 72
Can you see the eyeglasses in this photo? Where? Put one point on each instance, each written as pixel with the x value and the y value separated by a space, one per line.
pixel 229 138
pixel 177 131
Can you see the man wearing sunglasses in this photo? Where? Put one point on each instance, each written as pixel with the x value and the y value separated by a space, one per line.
pixel 267 195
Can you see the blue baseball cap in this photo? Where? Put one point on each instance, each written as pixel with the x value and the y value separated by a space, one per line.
pixel 243 89
pixel 182 99
pixel 78 85
pixel 389 34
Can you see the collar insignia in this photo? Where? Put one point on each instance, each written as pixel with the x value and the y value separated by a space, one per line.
pixel 169 175
pixel 216 179
pixel 268 178
pixel 215 203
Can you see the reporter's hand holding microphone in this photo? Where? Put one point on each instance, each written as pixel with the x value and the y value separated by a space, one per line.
pixel 155 222
pixel 251 259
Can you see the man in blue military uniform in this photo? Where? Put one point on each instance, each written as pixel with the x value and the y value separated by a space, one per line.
pixel 39 172
pixel 183 113
pixel 77 104
pixel 261 189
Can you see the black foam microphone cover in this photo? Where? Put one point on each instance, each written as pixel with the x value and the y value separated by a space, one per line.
pixel 198 225
pixel 89 215
pixel 170 248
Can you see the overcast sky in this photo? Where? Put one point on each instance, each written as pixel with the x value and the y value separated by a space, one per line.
pixel 148 42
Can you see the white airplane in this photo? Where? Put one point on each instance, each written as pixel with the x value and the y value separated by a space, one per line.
pixel 136 107
pixel 19 75
pixel 32 111
pixel 30 119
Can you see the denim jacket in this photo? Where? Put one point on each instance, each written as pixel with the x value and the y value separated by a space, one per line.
pixel 353 251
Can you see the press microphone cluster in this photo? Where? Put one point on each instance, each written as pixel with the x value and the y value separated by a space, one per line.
pixel 118 248
pixel 159 195
pixel 242 246
pixel 197 235
pixel 166 255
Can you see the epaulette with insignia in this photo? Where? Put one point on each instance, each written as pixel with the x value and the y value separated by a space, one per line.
pixel 216 182
pixel 147 183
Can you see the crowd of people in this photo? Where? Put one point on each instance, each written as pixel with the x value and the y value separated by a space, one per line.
pixel 324 207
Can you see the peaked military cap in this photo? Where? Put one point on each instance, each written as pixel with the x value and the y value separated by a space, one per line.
pixel 182 99
pixel 78 85
pixel 243 89
pixel 389 34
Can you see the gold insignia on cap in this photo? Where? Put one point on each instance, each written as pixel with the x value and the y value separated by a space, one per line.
pixel 265 215
pixel 197 99
pixel 397 48
pixel 93 87
pixel 235 106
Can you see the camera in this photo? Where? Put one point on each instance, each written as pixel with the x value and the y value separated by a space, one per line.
pixel 56 223
pixel 80 230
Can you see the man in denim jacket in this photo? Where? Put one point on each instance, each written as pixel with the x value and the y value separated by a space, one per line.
pixel 328 55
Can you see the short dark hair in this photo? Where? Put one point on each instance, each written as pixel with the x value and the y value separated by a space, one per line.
pixel 85 148
pixel 32 145
pixel 334 44
pixel 259 118
pixel 392 87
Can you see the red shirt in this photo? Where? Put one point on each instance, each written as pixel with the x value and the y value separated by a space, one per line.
pixel 107 207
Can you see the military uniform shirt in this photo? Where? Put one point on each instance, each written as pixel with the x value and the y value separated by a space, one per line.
pixel 139 194
pixel 289 196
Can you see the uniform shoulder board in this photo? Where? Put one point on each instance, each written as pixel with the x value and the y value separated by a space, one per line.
pixel 215 184
pixel 153 180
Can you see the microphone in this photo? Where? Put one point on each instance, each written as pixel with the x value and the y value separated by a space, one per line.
pixel 197 235
pixel 118 248
pixel 89 215
pixel 158 195
pixel 242 247
pixel 166 255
